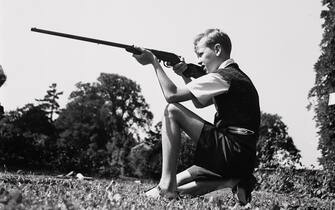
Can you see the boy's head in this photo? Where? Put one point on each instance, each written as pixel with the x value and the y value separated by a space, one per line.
pixel 212 47
pixel 215 36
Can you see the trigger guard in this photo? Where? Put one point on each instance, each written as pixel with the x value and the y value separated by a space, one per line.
pixel 166 64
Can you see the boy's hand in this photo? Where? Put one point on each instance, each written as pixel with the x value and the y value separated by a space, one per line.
pixel 146 57
pixel 179 68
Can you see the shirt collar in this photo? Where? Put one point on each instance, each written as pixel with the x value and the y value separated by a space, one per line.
pixel 226 63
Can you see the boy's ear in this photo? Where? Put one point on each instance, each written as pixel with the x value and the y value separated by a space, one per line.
pixel 217 49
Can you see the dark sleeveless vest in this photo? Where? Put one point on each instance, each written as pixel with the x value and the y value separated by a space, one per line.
pixel 239 106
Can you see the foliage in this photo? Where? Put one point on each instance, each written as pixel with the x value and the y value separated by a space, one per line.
pixel 303 182
pixel 27 135
pixel 96 129
pixel 2 111
pixel 275 147
pixel 49 103
pixel 26 138
pixel 324 85
pixel 47 192
pixel 94 133
pixel 146 157
pixel 3 76
pixel 2 81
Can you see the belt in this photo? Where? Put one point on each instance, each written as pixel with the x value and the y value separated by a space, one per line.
pixel 238 130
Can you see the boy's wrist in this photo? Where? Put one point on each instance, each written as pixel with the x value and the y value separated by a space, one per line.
pixel 155 62
pixel 186 79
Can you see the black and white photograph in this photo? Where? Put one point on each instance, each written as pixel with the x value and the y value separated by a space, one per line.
pixel 218 104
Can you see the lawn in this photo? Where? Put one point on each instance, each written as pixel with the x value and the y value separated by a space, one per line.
pixel 31 191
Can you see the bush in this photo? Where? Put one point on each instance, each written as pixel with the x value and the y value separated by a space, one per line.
pixel 313 183
pixel 26 138
pixel 146 158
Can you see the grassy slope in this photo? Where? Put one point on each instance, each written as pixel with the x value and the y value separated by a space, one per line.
pixel 46 192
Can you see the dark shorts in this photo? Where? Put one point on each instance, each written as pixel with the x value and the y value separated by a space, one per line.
pixel 223 155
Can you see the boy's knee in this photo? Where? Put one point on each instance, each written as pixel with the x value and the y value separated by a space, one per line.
pixel 171 110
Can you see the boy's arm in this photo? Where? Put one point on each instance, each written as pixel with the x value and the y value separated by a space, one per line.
pixel 179 69
pixel 195 101
pixel 171 92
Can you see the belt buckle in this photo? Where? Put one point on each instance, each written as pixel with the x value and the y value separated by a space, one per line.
pixel 241 131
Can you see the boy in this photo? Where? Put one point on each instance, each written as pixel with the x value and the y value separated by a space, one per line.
pixel 226 150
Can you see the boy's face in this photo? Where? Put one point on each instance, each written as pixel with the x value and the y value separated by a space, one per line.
pixel 206 55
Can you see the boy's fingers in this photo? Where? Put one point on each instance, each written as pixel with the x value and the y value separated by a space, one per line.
pixel 180 66
pixel 140 49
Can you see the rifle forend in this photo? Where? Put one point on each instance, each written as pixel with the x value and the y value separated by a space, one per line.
pixel 169 59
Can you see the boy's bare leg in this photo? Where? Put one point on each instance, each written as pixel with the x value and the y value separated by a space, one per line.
pixel 186 184
pixel 176 118
pixel 184 177
pixel 206 186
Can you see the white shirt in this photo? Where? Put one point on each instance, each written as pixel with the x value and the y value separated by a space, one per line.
pixel 212 84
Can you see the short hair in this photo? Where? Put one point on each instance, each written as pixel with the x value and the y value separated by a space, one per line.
pixel 214 36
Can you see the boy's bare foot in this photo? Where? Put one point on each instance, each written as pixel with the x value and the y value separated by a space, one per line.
pixel 158 193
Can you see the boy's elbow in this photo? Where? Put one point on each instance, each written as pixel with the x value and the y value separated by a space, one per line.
pixel 198 106
pixel 171 99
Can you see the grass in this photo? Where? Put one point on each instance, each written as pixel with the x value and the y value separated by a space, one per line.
pixel 29 191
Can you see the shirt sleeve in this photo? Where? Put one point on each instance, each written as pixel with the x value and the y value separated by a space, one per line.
pixel 206 87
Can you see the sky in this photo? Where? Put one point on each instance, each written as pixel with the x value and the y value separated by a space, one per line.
pixel 276 42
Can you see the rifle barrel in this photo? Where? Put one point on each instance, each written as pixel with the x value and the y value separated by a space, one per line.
pixel 86 39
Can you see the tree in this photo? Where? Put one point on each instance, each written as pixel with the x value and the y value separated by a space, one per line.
pixel 100 124
pixel 49 102
pixel 3 76
pixel 2 81
pixel 27 135
pixel 24 136
pixel 146 157
pixel 323 86
pixel 275 147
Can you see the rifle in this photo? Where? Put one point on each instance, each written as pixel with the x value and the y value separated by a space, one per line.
pixel 169 59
